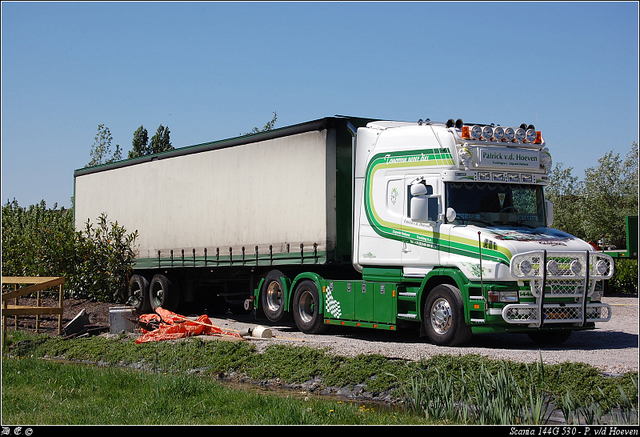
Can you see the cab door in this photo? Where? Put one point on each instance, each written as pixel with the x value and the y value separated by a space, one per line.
pixel 421 224
pixel 381 220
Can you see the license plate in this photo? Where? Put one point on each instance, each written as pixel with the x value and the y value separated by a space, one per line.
pixel 557 316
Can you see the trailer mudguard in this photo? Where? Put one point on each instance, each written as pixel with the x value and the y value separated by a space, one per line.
pixel 317 279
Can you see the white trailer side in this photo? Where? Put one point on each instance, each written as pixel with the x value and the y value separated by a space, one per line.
pixel 279 192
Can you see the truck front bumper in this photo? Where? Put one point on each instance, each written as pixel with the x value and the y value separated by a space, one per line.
pixel 568 313
pixel 562 286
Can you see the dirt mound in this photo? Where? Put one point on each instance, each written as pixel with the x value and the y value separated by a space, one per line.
pixel 98 313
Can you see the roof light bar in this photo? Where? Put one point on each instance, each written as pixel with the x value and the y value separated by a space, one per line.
pixel 523 134
pixel 476 132
pixel 498 133
pixel 487 133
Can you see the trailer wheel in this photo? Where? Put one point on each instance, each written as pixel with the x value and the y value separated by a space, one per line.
pixel 163 293
pixel 139 294
pixel 444 317
pixel 306 308
pixel 272 296
pixel 549 337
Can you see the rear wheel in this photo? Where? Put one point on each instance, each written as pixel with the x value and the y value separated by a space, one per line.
pixel 444 317
pixel 139 294
pixel 306 308
pixel 272 296
pixel 163 293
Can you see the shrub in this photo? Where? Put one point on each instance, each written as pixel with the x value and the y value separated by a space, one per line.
pixel 625 277
pixel 95 262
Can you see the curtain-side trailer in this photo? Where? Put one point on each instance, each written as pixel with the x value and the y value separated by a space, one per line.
pixel 360 223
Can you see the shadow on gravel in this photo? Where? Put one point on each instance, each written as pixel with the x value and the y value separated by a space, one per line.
pixel 580 340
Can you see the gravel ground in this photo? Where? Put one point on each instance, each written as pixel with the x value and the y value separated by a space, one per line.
pixel 612 347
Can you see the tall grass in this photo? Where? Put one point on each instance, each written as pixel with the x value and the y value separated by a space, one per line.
pixel 491 397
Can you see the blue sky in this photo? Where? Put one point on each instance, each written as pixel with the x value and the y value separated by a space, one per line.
pixel 211 71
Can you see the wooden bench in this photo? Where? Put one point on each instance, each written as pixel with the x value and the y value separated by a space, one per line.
pixel 38 284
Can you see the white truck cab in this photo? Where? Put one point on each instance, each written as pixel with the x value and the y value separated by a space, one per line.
pixel 463 205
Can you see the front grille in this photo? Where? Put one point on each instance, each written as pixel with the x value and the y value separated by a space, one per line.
pixel 561 287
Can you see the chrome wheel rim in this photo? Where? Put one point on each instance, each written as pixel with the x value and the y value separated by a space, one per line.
pixel 306 306
pixel 157 294
pixel 274 296
pixel 441 316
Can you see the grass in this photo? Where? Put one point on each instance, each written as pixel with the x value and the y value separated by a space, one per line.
pixel 496 397
pixel 36 392
pixel 175 383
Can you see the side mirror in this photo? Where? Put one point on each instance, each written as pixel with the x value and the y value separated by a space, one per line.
pixel 424 207
pixel 419 190
pixel 549 210
pixel 451 215
pixel 419 209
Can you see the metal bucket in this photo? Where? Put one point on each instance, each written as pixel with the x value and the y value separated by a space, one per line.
pixel 117 321
pixel 261 332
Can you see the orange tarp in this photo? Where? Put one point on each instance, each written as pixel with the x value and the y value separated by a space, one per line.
pixel 174 326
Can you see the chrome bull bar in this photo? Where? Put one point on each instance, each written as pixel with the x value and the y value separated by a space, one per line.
pixel 566 274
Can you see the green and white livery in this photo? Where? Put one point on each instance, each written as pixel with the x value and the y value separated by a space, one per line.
pixel 460 210
pixel 357 222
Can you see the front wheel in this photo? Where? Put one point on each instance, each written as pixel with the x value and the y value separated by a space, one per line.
pixel 443 317
pixel 306 308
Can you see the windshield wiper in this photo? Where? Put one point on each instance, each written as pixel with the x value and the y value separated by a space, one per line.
pixel 515 224
pixel 484 222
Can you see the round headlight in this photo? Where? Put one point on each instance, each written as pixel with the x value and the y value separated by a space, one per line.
pixel 531 135
pixel 509 134
pixel 525 267
pixel 576 267
pixel 476 132
pixel 487 133
pixel 520 135
pixel 602 267
pixel 552 267
pixel 498 133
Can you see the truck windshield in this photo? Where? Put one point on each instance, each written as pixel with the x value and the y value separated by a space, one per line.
pixel 496 204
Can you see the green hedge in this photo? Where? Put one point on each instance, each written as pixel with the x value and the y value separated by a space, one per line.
pixel 625 277
pixel 40 241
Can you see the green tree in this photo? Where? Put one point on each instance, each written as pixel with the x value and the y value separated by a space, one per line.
pixel 596 207
pixel 160 142
pixel 610 194
pixel 565 191
pixel 140 143
pixel 267 127
pixel 101 149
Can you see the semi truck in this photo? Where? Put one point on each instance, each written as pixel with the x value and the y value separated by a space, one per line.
pixel 357 222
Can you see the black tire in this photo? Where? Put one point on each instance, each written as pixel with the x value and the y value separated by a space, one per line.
pixel 138 296
pixel 443 317
pixel 306 308
pixel 550 337
pixel 272 297
pixel 163 293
